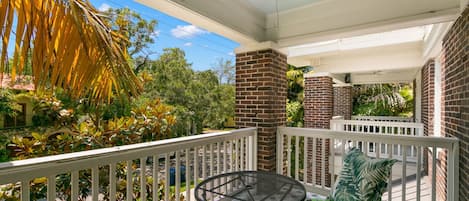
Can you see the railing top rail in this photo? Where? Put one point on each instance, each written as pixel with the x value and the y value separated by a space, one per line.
pixel 379 123
pixel 381 117
pixel 76 161
pixel 427 141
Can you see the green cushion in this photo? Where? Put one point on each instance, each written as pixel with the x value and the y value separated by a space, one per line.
pixel 361 177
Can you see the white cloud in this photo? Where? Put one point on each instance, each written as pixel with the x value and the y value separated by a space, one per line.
pixel 188 44
pixel 231 53
pixel 104 7
pixel 187 31
pixel 155 33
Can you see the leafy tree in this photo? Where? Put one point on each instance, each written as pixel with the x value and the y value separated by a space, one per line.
pixel 169 80
pixel 171 75
pixel 198 98
pixel 225 70
pixel 72 47
pixel 214 102
pixel 139 31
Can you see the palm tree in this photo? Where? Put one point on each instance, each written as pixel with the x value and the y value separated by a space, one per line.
pixel 392 99
pixel 72 46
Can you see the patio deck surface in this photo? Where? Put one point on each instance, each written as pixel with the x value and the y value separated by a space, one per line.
pixel 411 184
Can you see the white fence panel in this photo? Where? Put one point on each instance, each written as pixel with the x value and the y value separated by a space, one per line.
pixel 145 164
pixel 383 118
pixel 382 128
pixel 315 171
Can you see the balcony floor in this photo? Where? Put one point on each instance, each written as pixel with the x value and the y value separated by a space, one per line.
pixel 411 184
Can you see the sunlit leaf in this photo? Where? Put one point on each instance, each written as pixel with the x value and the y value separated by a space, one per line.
pixel 72 47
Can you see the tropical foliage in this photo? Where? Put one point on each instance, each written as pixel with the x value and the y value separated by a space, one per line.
pixel 8 106
pixel 71 44
pixel 362 178
pixel 84 62
pixel 295 95
pixel 383 100
pixel 149 121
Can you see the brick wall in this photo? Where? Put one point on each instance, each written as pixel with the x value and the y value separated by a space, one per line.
pixel 261 93
pixel 455 94
pixel 428 93
pixel 343 101
pixel 318 109
pixel 428 81
pixel 318 102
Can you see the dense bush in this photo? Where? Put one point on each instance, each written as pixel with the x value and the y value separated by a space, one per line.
pixel 149 121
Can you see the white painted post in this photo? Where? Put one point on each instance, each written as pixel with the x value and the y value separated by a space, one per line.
pixel 51 186
pixel 74 186
pixel 129 181
pixel 143 178
pixel 25 191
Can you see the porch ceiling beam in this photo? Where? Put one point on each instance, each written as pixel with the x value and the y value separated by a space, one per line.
pixel 402 76
pixel 402 56
pixel 314 31
pixel 231 19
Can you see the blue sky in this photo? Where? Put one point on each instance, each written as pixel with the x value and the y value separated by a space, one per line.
pixel 202 47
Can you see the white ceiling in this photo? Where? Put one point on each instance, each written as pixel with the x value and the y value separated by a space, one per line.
pixel 272 6
pixel 300 22
pixel 399 36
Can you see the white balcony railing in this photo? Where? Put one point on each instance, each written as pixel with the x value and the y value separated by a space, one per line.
pixel 383 118
pixel 384 128
pixel 306 155
pixel 202 155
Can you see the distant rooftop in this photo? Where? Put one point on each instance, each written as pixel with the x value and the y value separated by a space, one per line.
pixel 22 82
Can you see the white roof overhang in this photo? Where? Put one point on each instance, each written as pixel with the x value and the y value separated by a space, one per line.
pixel 296 22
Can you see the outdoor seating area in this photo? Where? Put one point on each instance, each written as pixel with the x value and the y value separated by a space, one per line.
pixel 311 100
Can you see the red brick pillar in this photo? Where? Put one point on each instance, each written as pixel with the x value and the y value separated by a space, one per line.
pixel 343 101
pixel 428 91
pixel 261 94
pixel 318 106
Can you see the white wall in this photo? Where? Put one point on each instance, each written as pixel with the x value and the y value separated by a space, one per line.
pixel 418 97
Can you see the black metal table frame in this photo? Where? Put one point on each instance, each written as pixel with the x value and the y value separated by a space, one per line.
pixel 239 177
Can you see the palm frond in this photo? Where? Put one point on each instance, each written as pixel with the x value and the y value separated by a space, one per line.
pixel 362 178
pixel 72 47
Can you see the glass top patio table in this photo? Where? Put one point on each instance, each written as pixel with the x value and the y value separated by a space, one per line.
pixel 250 186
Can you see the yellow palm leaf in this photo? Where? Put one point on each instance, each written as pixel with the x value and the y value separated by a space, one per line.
pixel 72 47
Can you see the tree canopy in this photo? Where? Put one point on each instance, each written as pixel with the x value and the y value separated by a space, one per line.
pixel 200 100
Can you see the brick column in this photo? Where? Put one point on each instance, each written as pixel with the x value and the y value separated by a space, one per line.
pixel 261 94
pixel 343 101
pixel 455 95
pixel 318 106
pixel 428 91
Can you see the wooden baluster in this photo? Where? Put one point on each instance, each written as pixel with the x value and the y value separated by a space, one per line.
pixel 129 184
